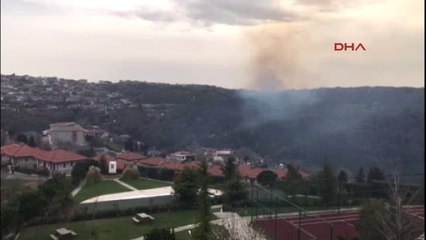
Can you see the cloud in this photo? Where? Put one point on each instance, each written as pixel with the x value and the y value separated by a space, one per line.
pixel 199 12
pixel 29 7
pixel 237 12
pixel 149 15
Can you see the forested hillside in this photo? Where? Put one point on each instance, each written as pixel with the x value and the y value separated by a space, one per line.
pixel 351 127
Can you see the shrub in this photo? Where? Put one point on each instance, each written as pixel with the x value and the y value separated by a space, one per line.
pixel 93 175
pixel 160 234
pixel 130 174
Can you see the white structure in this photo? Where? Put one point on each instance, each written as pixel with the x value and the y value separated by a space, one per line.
pixel 112 167
pixel 221 155
pixel 67 132
pixel 182 156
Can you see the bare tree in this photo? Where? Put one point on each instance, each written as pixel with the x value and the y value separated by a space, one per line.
pixel 396 222
pixel 238 229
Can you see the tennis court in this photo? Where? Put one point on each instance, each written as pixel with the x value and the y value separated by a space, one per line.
pixel 320 227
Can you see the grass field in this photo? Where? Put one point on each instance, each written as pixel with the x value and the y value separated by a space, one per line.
pixel 99 188
pixel 113 228
pixel 142 184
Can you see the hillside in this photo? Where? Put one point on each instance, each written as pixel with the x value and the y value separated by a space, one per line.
pixel 351 127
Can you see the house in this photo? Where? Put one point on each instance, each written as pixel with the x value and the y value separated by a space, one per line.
pixel 221 155
pixel 181 156
pixel 67 132
pixel 20 155
pixel 250 173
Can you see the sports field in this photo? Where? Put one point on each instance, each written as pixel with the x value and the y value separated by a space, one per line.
pixel 319 227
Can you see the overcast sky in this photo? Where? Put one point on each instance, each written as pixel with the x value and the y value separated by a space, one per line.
pixel 228 43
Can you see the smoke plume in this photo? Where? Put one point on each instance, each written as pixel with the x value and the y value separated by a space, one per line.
pixel 275 50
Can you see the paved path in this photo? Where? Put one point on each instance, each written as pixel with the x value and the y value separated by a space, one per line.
pixel 23 176
pixel 77 189
pixel 125 185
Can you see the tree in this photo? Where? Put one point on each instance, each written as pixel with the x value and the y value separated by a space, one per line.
pixel 22 138
pixel 396 222
pixel 360 177
pixel 129 145
pixel 327 184
pixel 93 175
pixel 160 234
pixel 31 205
pixel 368 222
pixel 186 187
pixel 375 174
pixel 130 173
pixel 57 193
pixel 267 177
pixel 238 229
pixel 9 218
pixel 230 168
pixel 203 230
pixel 342 177
pixel 293 181
pixel 80 169
pixel 103 165
pixel 235 192
pixel 31 142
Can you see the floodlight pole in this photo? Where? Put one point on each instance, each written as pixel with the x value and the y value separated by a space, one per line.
pixel 275 227
pixel 298 230
pixel 338 198
pixel 257 199
pixel 251 209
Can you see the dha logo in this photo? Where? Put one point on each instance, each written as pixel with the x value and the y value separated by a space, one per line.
pixel 351 46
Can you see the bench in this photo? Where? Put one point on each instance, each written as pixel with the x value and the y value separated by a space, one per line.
pixel 53 237
pixel 143 218
pixel 136 220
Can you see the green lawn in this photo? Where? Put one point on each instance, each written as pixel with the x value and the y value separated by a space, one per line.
pixel 99 188
pixel 146 183
pixel 113 228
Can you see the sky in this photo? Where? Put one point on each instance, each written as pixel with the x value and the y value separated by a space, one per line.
pixel 256 44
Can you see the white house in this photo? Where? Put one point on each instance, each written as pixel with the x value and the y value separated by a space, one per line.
pixel 67 132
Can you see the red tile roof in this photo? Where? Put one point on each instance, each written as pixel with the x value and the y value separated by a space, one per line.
pixel 215 171
pixel 10 149
pixel 283 173
pixel 152 162
pixel 249 171
pixel 130 156
pixel 55 156
pixel 60 156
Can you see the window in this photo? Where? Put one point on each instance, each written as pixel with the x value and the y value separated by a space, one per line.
pixel 65 165
pixel 74 136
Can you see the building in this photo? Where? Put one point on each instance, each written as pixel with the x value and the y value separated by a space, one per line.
pixel 181 156
pixel 23 156
pixel 220 156
pixel 67 133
